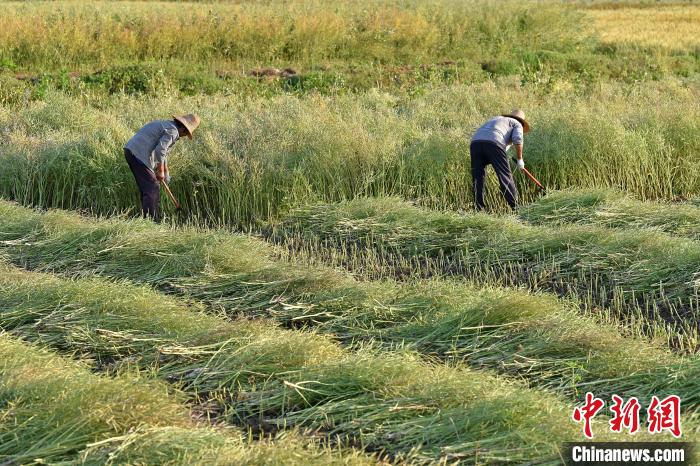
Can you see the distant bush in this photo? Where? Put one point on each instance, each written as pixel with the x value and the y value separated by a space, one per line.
pixel 12 91
pixel 128 79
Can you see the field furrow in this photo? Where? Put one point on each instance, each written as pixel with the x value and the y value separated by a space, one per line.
pixel 536 337
pixel 56 410
pixel 638 273
pixel 282 378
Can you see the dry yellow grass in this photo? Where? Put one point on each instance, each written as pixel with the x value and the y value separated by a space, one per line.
pixel 675 26
pixel 76 32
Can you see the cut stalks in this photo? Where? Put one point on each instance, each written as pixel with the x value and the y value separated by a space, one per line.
pixel 537 337
pixel 613 209
pixel 55 410
pixel 634 272
pixel 284 378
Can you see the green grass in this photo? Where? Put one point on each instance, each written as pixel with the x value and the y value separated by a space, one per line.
pixel 613 209
pixel 178 446
pixel 56 410
pixel 535 337
pixel 449 342
pixel 106 47
pixel 43 400
pixel 400 46
pixel 69 34
pixel 253 159
pixel 292 378
pixel 603 267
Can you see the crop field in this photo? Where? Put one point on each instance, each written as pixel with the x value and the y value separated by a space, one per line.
pixel 674 26
pixel 327 292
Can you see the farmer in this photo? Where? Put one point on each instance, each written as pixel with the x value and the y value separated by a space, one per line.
pixel 488 147
pixel 147 156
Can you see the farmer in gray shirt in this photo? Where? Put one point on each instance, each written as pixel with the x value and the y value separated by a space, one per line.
pixel 147 156
pixel 488 147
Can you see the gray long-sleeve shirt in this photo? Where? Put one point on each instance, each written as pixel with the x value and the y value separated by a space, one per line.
pixel 150 145
pixel 502 131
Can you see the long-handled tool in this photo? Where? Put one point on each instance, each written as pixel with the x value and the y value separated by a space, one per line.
pixel 170 195
pixel 534 180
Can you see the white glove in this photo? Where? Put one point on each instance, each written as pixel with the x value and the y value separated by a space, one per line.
pixel 167 178
pixel 521 164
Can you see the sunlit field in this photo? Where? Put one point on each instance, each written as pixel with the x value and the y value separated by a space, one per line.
pixel 327 293
pixel 675 27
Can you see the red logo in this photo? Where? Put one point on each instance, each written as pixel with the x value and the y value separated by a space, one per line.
pixel 587 412
pixel 625 415
pixel 663 415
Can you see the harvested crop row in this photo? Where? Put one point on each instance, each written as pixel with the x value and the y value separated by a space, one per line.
pixel 53 409
pixel 630 269
pixel 613 209
pixel 381 400
pixel 537 337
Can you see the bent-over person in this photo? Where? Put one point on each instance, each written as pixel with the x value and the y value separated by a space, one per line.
pixel 147 156
pixel 488 147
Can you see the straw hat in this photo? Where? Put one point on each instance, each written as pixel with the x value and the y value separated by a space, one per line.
pixel 189 121
pixel 520 116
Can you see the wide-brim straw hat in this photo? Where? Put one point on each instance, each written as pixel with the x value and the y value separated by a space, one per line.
pixel 190 122
pixel 520 116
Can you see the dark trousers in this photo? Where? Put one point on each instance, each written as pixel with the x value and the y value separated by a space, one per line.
pixel 148 186
pixel 484 153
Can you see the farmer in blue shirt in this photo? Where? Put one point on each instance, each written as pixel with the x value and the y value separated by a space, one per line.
pixel 488 147
pixel 147 156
